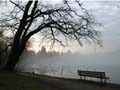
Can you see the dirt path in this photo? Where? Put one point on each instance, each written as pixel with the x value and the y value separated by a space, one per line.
pixel 72 84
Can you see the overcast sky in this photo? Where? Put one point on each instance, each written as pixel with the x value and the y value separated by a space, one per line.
pixel 107 12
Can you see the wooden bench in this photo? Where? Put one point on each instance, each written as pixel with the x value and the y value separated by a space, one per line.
pixel 94 74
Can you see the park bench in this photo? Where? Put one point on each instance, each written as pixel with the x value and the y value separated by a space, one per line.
pixel 94 74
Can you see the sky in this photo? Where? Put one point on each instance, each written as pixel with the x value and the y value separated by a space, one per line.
pixel 107 12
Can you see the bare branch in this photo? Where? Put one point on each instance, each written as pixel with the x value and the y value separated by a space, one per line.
pixel 17 5
pixel 63 19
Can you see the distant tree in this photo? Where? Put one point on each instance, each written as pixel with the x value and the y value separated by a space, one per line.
pixel 43 50
pixel 56 23
pixel 5 43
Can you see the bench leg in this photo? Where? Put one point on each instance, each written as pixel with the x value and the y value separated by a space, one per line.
pixel 101 80
pixel 84 77
pixel 80 77
pixel 105 81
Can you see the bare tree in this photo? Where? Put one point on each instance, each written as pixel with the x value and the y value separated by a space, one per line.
pixel 54 22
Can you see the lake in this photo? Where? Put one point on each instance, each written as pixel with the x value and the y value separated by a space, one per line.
pixel 66 65
pixel 113 72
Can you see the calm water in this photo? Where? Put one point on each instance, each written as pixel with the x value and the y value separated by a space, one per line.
pixel 66 65
pixel 113 72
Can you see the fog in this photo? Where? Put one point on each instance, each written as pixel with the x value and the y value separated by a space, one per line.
pixel 66 64
pixel 105 59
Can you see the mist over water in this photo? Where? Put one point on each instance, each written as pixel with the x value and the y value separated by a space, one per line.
pixel 66 65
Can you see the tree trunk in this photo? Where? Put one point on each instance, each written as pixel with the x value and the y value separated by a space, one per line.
pixel 15 53
pixel 19 41
pixel 12 61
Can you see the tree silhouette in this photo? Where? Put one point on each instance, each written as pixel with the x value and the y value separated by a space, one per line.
pixel 56 23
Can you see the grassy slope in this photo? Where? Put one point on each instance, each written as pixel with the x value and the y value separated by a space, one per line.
pixel 10 81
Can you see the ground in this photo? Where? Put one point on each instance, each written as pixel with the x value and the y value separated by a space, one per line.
pixel 27 81
pixel 12 81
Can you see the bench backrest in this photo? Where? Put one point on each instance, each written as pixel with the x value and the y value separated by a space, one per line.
pixel 91 73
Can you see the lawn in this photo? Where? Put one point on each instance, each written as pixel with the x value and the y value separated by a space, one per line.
pixel 12 81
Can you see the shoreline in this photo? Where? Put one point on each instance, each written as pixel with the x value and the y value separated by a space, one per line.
pixel 73 84
pixel 65 78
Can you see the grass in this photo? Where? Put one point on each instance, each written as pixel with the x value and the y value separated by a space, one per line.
pixel 11 81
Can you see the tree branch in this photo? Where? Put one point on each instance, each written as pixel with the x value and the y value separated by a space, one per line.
pixel 17 5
